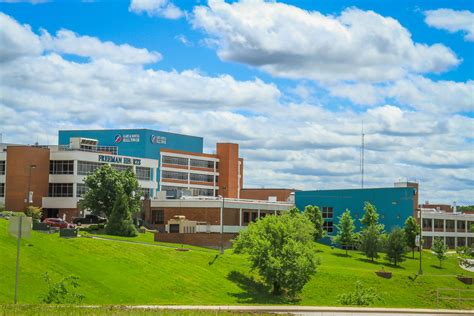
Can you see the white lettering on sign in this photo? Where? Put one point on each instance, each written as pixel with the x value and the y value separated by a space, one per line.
pixel 155 139
pixel 131 138
pixel 121 160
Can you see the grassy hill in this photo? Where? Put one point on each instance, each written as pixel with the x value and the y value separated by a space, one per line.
pixel 113 272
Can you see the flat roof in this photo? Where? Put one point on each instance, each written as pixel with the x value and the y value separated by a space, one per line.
pixel 126 129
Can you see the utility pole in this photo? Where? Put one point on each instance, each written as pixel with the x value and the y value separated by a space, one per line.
pixel 362 148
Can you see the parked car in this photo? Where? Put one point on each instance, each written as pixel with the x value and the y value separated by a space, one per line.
pixel 89 219
pixel 58 222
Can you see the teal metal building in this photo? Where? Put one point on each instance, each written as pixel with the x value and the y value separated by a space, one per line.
pixel 394 204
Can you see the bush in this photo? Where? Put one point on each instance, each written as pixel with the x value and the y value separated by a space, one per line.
pixel 94 227
pixel 35 213
pixel 62 292
pixel 361 296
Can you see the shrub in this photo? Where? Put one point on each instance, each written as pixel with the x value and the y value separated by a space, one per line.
pixel 35 213
pixel 62 292
pixel 120 222
pixel 361 296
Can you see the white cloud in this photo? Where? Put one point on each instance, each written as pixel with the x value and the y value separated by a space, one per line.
pixel 17 40
pixel 67 42
pixel 290 42
pixel 453 21
pixel 161 8
pixel 302 145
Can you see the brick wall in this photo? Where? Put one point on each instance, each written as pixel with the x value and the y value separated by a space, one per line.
pixel 208 240
pixel 263 194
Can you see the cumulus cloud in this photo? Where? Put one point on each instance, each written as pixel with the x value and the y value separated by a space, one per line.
pixel 452 21
pixel 67 42
pixel 290 42
pixel 17 40
pixel 161 8
pixel 303 144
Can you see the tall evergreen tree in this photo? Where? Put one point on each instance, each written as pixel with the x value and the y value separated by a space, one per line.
pixel 396 245
pixel 120 221
pixel 345 230
pixel 370 242
pixel 411 229
pixel 371 217
pixel 314 215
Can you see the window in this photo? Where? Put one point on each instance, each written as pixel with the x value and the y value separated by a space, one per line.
pixel 203 192
pixel 174 175
pixel 246 217
pixel 462 226
pixel 2 189
pixel 450 225
pixel 202 163
pixel 85 168
pixel 427 223
pixel 157 217
pixel 328 226
pixel 81 188
pixel 254 217
pixel 201 177
pixel 61 167
pixel 328 212
pixel 143 173
pixel 170 188
pixel 60 190
pixel 175 160
pixel 2 166
pixel 121 167
pixel 438 224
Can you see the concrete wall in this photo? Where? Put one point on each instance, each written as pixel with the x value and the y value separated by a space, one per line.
pixel 263 194
pixel 208 240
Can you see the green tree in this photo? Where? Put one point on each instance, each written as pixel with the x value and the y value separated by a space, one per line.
pixel 314 215
pixel 396 245
pixel 371 242
pixel 440 249
pixel 35 213
pixel 345 230
pixel 120 222
pixel 411 229
pixel 371 217
pixel 281 249
pixel 294 211
pixel 360 296
pixel 62 292
pixel 103 187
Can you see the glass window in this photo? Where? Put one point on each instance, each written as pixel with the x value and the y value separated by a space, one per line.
pixel 462 225
pixel 450 224
pixel 170 188
pixel 438 224
pixel 121 167
pixel 203 192
pixel 2 189
pixel 328 226
pixel 202 163
pixel 246 217
pixel 143 173
pixel 157 217
pixel 2 167
pixel 61 167
pixel 427 223
pixel 174 175
pixel 81 188
pixel 201 177
pixel 60 190
pixel 85 168
pixel 328 212
pixel 175 160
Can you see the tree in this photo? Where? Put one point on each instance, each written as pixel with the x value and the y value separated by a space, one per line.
pixel 62 292
pixel 440 249
pixel 35 213
pixel 281 249
pixel 396 246
pixel 120 222
pixel 294 211
pixel 314 215
pixel 370 242
pixel 103 189
pixel 345 230
pixel 411 229
pixel 360 296
pixel 371 217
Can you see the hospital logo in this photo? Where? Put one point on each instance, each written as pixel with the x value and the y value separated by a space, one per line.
pixel 118 139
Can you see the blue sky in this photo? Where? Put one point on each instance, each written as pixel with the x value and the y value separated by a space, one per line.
pixel 290 81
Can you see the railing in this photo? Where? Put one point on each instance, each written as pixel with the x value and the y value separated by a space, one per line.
pixel 459 298
pixel 113 150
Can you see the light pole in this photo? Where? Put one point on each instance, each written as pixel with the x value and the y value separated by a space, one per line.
pixel 29 199
pixel 222 220
pixel 420 272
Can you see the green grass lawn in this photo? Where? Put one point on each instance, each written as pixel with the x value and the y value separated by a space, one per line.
pixel 113 272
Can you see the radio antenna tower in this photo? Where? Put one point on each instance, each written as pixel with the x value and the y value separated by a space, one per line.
pixel 362 148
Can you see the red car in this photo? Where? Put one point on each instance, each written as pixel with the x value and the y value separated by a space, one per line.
pixel 58 222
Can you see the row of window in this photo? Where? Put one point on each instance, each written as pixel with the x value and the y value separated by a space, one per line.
pixel 198 163
pixel 61 167
pixel 2 167
pixel 194 191
pixel 328 212
pixel 176 175
pixel 60 190
pixel 429 223
pixel 2 189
